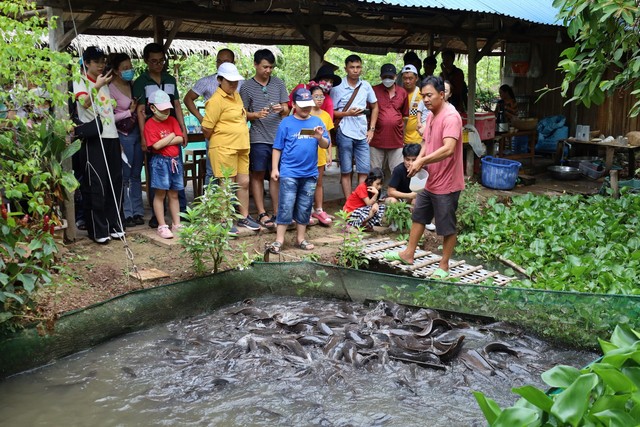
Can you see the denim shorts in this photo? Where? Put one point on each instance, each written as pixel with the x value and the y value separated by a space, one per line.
pixel 295 199
pixel 441 207
pixel 260 157
pixel 348 148
pixel 167 173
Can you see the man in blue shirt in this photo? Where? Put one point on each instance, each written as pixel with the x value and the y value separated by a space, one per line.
pixel 353 134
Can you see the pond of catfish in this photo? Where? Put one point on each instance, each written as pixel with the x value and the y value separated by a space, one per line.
pixel 293 362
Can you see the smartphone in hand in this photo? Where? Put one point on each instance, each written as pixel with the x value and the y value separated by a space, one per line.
pixel 307 132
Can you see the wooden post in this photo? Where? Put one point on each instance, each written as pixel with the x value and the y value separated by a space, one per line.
pixel 62 113
pixel 315 57
pixel 471 109
pixel 615 187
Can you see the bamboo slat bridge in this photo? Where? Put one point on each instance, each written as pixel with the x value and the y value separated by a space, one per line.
pixel 426 262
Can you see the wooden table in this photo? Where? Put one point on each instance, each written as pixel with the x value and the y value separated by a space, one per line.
pixel 197 157
pixel 610 148
pixel 504 139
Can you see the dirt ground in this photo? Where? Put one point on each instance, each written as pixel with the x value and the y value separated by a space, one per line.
pixel 94 273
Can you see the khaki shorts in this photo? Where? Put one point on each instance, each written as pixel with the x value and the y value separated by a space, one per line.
pixel 235 161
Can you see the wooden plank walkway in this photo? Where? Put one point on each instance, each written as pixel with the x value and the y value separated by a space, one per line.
pixel 425 263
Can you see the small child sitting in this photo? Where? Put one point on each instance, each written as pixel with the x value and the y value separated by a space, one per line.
pixel 162 133
pixel 362 203
pixel 399 183
pixel 295 166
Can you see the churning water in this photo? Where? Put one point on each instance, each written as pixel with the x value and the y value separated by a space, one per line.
pixel 293 362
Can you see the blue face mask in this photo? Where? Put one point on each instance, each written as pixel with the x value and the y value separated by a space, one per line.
pixel 127 75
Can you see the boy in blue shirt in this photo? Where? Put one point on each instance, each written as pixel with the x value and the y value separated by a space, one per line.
pixel 295 166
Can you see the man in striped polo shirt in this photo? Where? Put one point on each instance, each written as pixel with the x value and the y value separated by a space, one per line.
pixel 265 98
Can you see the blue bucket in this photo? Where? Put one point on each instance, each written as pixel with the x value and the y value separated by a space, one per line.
pixel 499 174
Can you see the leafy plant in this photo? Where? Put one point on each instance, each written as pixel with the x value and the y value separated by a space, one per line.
pixel 309 284
pixel 398 216
pixel 206 235
pixel 606 54
pixel 27 258
pixel 570 243
pixel 605 393
pixel 469 205
pixel 35 184
pixel 350 251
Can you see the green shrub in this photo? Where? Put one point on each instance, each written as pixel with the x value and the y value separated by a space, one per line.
pixel 605 393
pixel 350 251
pixel 398 216
pixel 206 234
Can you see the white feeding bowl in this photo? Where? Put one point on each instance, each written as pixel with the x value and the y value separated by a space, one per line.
pixel 418 181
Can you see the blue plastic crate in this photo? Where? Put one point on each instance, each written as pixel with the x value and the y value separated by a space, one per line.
pixel 499 174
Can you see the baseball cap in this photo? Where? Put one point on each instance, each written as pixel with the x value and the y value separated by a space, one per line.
pixel 229 72
pixel 409 69
pixel 388 70
pixel 303 98
pixel 161 100
pixel 92 53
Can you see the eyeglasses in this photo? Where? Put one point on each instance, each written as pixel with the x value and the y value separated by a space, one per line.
pixel 318 97
pixel 157 61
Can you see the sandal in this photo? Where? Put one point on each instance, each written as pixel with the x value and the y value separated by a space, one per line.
pixel 274 247
pixel 269 223
pixel 305 246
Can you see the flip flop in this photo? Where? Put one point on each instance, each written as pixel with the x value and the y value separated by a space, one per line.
pixel 439 273
pixel 395 256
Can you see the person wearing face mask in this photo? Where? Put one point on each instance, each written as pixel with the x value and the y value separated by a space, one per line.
pixel 101 177
pixel 164 136
pixel 121 88
pixel 388 138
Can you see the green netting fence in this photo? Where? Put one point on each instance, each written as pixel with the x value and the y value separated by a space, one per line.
pixel 574 319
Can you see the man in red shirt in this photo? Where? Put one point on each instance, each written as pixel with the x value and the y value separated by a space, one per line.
pixel 388 138
pixel 441 156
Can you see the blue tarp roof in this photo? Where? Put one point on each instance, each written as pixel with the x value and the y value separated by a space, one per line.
pixel 537 11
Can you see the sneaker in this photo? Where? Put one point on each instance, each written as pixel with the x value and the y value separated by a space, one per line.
pixel 430 227
pixel 129 222
pixel 117 234
pixel 153 222
pixel 233 232
pixel 164 232
pixel 176 228
pixel 249 223
pixel 322 217
pixel 138 219
pixel 102 240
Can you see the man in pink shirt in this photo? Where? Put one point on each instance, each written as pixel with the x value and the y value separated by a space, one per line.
pixel 441 156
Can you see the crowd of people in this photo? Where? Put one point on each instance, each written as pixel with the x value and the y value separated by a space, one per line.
pixel 255 131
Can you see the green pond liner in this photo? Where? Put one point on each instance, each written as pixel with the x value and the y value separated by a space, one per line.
pixel 567 318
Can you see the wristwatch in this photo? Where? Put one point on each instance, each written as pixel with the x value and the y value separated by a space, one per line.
pixel 372 129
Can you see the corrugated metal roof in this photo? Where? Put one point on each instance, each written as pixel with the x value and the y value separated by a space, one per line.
pixel 537 11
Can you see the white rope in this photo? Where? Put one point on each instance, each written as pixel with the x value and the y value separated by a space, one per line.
pixel 127 249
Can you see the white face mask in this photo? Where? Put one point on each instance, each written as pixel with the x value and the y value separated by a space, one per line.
pixel 388 82
pixel 160 115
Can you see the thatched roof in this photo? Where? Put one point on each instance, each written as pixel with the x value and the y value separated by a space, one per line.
pixel 133 46
pixel 375 25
